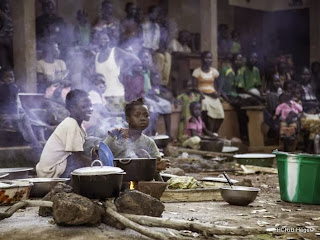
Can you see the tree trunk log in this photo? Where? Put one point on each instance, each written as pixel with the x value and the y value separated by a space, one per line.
pixel 203 228
pixel 130 224
pixel 38 203
pixel 11 210
pixel 26 203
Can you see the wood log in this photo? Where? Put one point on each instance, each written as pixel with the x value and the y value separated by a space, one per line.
pixel 136 227
pixel 203 228
pixel 26 203
pixel 11 210
pixel 38 203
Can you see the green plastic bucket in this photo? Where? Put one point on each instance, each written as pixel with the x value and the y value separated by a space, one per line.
pixel 299 177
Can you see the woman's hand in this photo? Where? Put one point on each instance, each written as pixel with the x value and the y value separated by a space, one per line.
pixel 162 164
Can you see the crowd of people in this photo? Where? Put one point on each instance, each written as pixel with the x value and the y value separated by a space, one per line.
pixel 118 61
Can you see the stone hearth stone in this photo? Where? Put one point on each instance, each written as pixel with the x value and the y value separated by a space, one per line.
pixel 73 209
pixel 59 188
pixel 135 202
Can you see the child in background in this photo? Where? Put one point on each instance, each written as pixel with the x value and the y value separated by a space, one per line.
pixel 82 30
pixel 63 151
pixel 157 104
pixel 288 110
pixel 102 118
pixel 235 43
pixel 134 83
pixel 184 99
pixel 12 115
pixel 132 142
pixel 195 127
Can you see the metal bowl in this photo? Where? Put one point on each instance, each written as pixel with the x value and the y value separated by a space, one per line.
pixel 41 186
pixel 238 195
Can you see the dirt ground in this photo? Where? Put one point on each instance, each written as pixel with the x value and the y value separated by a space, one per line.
pixel 268 211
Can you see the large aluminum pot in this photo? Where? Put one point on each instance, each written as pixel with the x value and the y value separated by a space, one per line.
pixel 137 169
pixel 15 173
pixel 41 186
pixel 97 182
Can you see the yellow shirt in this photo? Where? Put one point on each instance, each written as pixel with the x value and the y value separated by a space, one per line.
pixel 206 80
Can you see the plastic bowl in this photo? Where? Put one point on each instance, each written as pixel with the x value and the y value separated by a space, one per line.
pixel 238 195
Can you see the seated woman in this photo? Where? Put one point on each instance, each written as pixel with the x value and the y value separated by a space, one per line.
pixel 195 127
pixel 309 100
pixel 249 82
pixel 50 68
pixel 205 76
pixel 157 104
pixel 272 101
pixel 310 120
pixel 288 111
pixel 12 115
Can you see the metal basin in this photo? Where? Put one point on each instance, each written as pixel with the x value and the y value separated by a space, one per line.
pixel 41 186
pixel 238 195
pixel 15 173
pixel 256 159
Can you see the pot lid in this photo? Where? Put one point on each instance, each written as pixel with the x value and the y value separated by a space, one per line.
pixel 97 170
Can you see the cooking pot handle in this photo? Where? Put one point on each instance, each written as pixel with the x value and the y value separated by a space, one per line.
pixel 96 161
pixel 124 161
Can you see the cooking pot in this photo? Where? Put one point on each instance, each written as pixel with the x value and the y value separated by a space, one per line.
pixel 15 173
pixel 41 186
pixel 161 140
pixel 137 169
pixel 97 182
pixel 213 145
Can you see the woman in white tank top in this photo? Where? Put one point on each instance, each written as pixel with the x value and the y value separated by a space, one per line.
pixel 110 62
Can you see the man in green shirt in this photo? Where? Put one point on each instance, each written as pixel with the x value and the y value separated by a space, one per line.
pixel 248 80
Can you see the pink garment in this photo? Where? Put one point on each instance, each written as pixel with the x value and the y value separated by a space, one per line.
pixel 284 109
pixel 198 125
